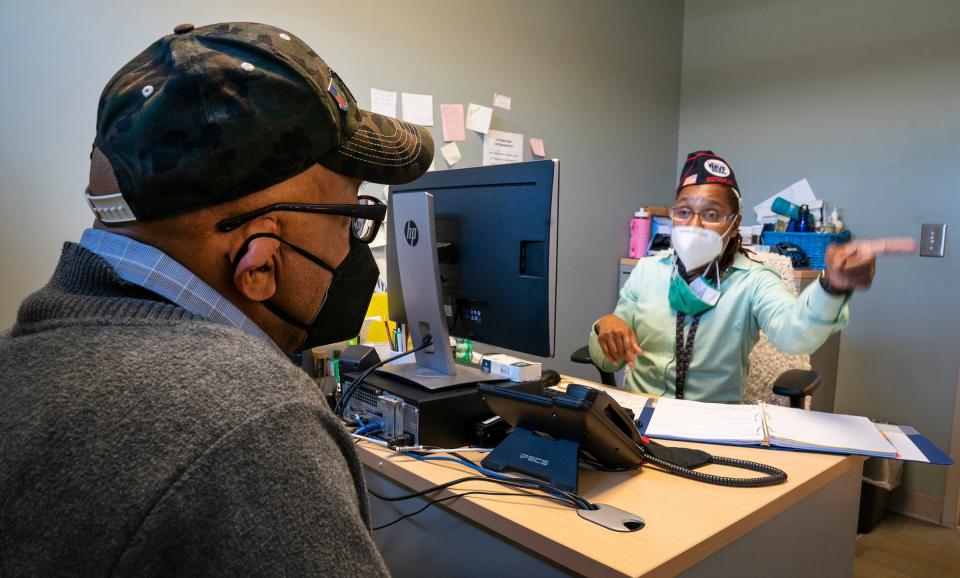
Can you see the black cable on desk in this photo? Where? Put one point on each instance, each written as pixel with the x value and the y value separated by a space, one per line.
pixel 535 483
pixel 445 498
pixel 517 483
pixel 523 483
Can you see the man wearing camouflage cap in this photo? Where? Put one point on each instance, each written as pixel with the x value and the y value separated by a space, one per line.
pixel 151 423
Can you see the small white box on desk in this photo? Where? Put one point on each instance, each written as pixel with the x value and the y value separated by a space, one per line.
pixel 510 367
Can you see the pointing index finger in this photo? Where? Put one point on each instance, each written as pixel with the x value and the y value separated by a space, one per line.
pixel 888 246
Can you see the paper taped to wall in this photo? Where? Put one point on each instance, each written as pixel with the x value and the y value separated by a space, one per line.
pixel 501 147
pixel 417 108
pixel 451 153
pixel 478 118
pixel 383 102
pixel 451 119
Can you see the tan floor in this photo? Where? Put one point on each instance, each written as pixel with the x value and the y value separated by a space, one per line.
pixel 901 546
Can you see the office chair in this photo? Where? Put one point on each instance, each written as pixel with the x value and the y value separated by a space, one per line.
pixel 793 387
pixel 775 377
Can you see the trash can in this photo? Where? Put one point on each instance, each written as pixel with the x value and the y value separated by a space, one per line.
pixel 880 478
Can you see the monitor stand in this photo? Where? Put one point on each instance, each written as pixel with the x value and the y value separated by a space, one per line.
pixel 415 239
pixel 431 379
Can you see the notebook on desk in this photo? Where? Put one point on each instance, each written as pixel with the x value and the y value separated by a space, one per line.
pixel 762 425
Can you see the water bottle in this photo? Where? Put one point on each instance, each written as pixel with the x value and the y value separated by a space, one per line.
pixel 803 220
pixel 463 350
pixel 785 208
pixel 639 233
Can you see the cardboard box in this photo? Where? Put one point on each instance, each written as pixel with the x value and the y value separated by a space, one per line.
pixel 510 367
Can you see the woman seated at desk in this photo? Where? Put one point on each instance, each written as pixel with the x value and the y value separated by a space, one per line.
pixel 687 319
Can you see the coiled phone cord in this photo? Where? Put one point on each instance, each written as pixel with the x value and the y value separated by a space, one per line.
pixel 774 475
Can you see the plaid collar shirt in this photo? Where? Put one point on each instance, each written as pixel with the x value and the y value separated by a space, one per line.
pixel 152 269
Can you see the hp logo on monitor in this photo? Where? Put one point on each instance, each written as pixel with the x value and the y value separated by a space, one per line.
pixel 411 233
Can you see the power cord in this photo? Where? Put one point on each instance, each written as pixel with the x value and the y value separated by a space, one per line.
pixel 444 499
pixel 549 491
pixel 520 483
pixel 533 483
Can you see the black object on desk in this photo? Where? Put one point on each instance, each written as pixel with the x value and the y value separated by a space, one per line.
pixel 443 418
pixel 550 432
pixel 356 358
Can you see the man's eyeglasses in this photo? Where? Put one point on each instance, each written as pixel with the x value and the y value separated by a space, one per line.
pixel 367 215
pixel 709 216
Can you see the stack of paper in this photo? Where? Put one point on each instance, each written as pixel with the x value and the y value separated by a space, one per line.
pixel 799 193
pixel 762 424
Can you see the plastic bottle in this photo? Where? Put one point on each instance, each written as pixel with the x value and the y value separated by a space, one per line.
pixel 803 219
pixel 785 208
pixel 837 223
pixel 639 234
pixel 463 350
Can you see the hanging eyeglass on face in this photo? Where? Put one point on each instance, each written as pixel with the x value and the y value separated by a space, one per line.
pixel 367 214
pixel 709 216
pixel 366 230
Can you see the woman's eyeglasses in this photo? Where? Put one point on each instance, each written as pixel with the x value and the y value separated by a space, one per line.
pixel 709 216
pixel 367 215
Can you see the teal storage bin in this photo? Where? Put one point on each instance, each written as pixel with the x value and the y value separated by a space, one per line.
pixel 813 245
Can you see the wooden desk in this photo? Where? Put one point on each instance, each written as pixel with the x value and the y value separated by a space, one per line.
pixel 805 527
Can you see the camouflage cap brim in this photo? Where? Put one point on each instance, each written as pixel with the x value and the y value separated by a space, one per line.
pixel 383 150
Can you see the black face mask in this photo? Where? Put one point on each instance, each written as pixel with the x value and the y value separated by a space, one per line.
pixel 341 314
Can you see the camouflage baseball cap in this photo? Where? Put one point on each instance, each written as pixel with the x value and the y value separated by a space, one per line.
pixel 208 115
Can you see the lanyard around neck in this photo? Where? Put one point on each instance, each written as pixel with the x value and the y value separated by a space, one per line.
pixel 684 350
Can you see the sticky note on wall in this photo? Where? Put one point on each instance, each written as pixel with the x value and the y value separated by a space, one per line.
pixel 451 153
pixel 536 147
pixel 478 118
pixel 501 101
pixel 417 108
pixel 451 117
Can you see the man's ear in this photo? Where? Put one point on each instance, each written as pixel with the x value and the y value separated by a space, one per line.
pixel 255 275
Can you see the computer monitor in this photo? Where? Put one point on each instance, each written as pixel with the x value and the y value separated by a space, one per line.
pixel 472 253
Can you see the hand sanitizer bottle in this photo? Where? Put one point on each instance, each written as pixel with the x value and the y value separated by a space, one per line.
pixel 835 219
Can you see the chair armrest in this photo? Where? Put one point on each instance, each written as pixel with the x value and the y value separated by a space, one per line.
pixel 796 384
pixel 581 355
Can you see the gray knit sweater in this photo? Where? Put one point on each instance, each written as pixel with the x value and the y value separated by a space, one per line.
pixel 136 438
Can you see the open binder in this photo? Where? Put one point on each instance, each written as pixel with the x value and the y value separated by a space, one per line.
pixel 778 427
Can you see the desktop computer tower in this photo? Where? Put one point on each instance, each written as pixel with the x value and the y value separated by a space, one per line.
pixel 443 418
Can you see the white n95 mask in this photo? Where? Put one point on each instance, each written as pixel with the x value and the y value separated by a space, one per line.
pixel 696 246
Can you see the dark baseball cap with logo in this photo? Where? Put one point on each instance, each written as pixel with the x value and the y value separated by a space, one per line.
pixel 211 114
pixel 706 167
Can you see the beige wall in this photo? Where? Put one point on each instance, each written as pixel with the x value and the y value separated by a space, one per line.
pixel 862 97
pixel 598 81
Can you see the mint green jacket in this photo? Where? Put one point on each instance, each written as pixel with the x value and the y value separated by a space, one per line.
pixel 754 297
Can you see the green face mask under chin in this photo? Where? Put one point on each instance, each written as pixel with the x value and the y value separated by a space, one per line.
pixel 694 298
